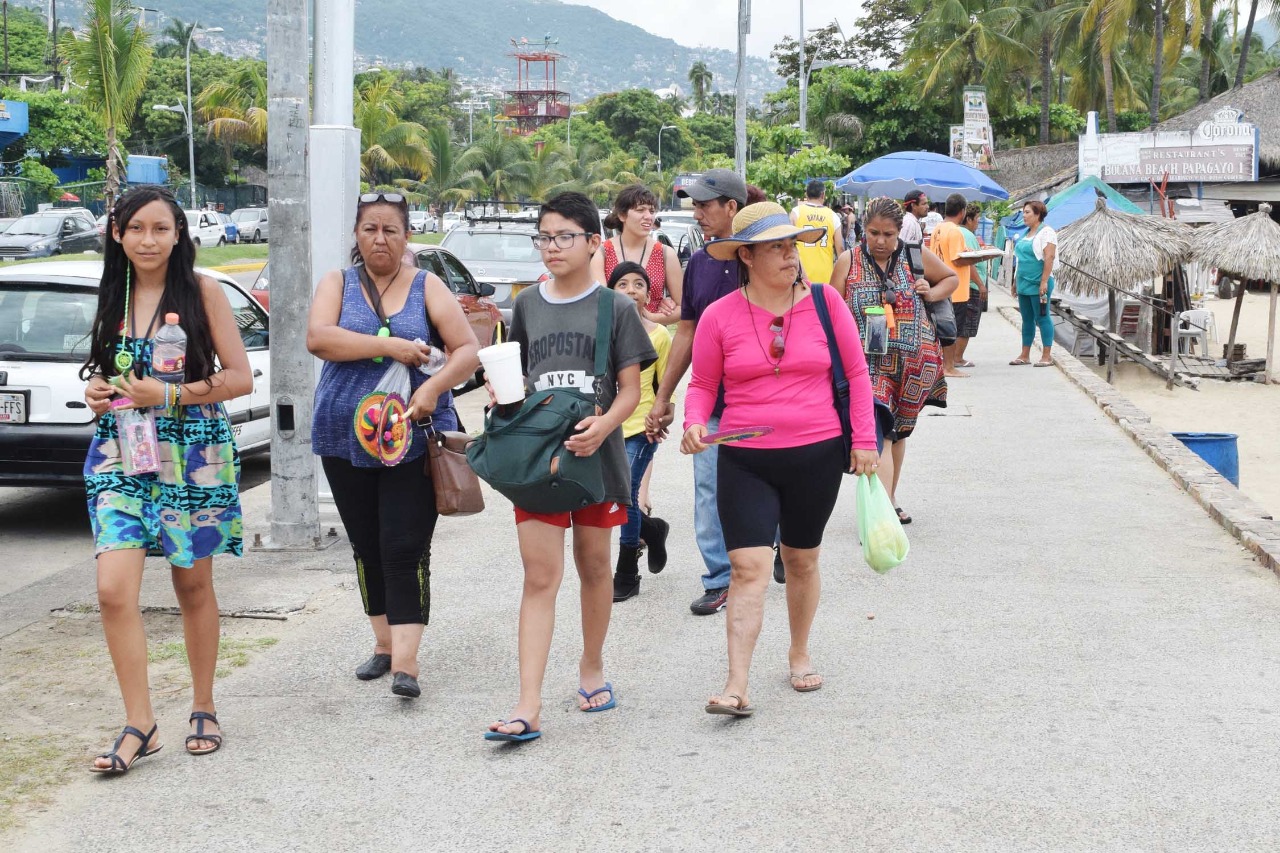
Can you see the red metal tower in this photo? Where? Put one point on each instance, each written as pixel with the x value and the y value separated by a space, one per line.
pixel 535 100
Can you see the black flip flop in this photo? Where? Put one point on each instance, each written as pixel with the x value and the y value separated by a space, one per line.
pixel 903 518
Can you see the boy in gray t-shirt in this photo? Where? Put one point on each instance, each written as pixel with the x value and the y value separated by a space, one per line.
pixel 555 325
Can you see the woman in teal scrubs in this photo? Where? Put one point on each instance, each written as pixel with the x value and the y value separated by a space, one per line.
pixel 1034 282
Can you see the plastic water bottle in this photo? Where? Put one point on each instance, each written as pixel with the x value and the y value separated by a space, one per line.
pixel 435 360
pixel 169 351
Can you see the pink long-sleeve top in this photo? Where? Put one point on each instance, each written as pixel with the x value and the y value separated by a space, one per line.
pixel 731 345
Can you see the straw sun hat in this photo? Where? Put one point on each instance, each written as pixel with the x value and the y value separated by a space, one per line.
pixel 762 222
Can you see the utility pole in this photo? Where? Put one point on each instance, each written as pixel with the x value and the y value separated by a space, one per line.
pixel 740 90
pixel 6 42
pixel 295 520
pixel 53 31
pixel 804 78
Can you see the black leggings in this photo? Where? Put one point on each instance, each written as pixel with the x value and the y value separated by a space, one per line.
pixel 760 491
pixel 390 516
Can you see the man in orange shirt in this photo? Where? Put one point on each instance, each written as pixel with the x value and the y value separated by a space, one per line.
pixel 947 243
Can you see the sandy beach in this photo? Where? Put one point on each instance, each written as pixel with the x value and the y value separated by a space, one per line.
pixel 1249 409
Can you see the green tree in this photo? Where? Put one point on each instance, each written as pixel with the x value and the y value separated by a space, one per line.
pixel 28 41
pixel 496 165
pixel 58 125
pixel 634 116
pixel 174 36
pixel 110 59
pixel 711 133
pixel 893 113
pixel 42 179
pixel 545 170
pixel 234 109
pixel 391 147
pixel 700 79
pixel 780 175
pixel 448 185
pixel 881 32
pixel 959 42
pixel 825 43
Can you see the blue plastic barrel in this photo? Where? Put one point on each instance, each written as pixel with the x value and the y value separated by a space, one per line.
pixel 1216 448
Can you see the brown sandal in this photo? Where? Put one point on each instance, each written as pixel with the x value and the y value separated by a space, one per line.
pixel 735 710
pixel 801 688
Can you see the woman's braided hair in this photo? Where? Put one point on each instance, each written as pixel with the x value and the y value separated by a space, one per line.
pixel 884 208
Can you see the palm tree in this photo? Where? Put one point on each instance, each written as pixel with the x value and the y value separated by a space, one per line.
pixel 110 58
pixel 966 41
pixel 174 37
pixel 587 170
pixel 235 109
pixel 448 183
pixel 390 146
pixel 497 164
pixel 700 80
pixel 1175 26
pixel 1244 45
pixel 545 170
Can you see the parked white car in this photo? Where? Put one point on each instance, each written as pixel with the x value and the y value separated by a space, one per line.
pixel 46 312
pixel 252 224
pixel 452 220
pixel 206 228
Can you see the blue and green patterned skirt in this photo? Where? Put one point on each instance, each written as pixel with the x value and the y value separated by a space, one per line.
pixel 189 509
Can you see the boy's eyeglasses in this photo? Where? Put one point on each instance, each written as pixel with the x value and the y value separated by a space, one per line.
pixel 389 198
pixel 564 241
pixel 779 346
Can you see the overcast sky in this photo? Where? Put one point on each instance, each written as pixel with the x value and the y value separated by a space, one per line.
pixel 714 23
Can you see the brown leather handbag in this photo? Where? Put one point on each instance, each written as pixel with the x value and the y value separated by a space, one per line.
pixel 457 486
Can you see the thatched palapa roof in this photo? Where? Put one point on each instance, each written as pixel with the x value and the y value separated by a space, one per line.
pixel 1120 249
pixel 1248 247
pixel 1027 172
pixel 1260 103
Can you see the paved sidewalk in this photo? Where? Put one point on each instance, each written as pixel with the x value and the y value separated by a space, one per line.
pixel 1075 657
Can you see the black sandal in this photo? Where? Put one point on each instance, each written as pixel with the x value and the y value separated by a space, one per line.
pixel 118 765
pixel 198 717
pixel 903 518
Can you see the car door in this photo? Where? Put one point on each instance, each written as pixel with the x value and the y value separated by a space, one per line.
pixel 467 291
pixel 251 415
pixel 86 234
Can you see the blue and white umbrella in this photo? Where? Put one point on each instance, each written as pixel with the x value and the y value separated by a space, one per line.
pixel 897 174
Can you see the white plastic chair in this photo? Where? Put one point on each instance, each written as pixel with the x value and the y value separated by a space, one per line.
pixel 1197 325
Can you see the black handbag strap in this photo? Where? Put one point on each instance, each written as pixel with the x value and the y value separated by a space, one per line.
pixel 604 338
pixel 839 381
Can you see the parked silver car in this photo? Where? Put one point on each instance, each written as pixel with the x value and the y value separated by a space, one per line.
pixel 252 224
pixel 501 254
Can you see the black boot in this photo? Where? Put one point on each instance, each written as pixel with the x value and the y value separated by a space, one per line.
pixel 626 577
pixel 654 533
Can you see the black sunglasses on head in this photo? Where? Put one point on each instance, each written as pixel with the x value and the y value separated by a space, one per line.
pixel 389 198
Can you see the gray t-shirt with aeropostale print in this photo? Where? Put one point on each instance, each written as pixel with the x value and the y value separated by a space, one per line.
pixel 557 340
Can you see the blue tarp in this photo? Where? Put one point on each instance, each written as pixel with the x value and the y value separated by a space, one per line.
pixel 141 169
pixel 13 122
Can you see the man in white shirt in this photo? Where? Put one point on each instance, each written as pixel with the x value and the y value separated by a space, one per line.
pixel 916 205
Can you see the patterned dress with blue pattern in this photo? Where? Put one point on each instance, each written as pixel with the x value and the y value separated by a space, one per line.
pixel 909 376
pixel 188 510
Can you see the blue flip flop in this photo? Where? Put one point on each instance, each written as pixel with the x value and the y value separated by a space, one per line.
pixel 528 734
pixel 606 706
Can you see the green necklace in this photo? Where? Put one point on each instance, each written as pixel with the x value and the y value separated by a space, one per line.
pixel 124 358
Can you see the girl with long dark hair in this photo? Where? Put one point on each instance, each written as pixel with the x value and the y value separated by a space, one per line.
pixel 189 510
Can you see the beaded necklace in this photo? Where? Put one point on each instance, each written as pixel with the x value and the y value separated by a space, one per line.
pixel 124 358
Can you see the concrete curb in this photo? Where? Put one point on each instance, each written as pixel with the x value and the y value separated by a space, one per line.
pixel 250 267
pixel 1239 515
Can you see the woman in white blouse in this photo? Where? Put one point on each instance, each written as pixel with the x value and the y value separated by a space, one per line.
pixel 1035 254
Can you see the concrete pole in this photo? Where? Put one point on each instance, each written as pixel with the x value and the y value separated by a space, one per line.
pixel 804 78
pixel 335 156
pixel 191 139
pixel 740 91
pixel 294 516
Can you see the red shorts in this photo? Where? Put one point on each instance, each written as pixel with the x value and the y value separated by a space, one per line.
pixel 606 515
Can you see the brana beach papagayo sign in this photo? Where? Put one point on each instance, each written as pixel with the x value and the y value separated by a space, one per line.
pixel 1220 150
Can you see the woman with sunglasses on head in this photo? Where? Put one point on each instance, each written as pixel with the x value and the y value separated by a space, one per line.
pixel 377 310
pixel 188 511
pixel 766 344
pixel 633 216
pixel 907 375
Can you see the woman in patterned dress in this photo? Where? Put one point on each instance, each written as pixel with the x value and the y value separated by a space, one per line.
pixel 909 377
pixel 189 510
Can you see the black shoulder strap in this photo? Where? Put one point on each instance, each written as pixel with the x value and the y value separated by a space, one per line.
pixel 374 297
pixel 839 380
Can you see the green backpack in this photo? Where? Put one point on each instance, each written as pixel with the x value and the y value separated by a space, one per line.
pixel 522 455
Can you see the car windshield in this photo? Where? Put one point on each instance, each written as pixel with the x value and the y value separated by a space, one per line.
pixel 44 225
pixel 244 215
pixel 505 246
pixel 45 322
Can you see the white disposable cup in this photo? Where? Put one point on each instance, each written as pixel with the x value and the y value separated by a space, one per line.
pixel 502 368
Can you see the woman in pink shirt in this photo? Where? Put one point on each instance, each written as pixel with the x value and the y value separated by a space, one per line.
pixel 765 343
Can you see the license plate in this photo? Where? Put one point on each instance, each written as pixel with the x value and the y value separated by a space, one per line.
pixel 13 408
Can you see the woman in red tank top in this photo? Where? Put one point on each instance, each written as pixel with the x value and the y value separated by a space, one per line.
pixel 633 217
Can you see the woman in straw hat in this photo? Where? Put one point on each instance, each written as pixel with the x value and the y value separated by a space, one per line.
pixel 907 375
pixel 765 344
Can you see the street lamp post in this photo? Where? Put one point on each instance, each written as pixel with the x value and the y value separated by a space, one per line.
pixel 191 139
pixel 664 127
pixel 804 77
